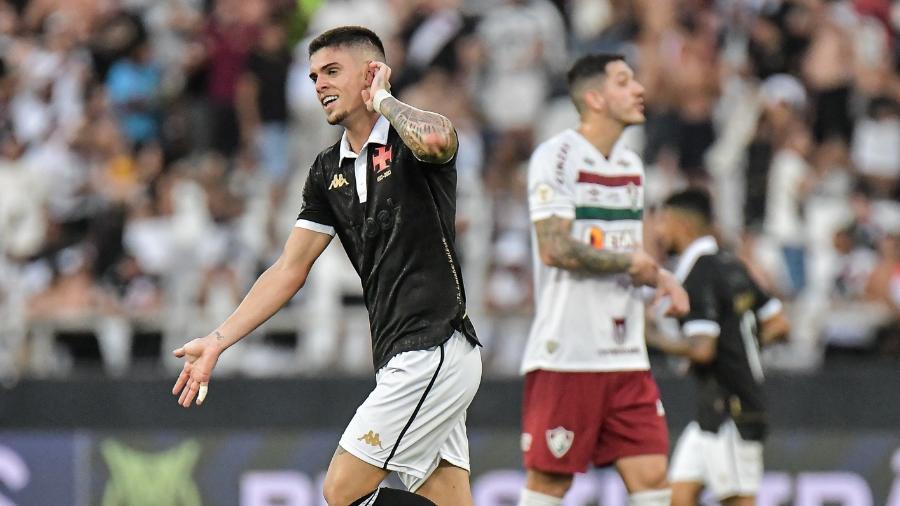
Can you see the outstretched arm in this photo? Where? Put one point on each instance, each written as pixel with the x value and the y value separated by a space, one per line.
pixel 430 136
pixel 271 291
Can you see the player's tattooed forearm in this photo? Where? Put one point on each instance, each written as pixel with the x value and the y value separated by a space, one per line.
pixel 561 250
pixel 218 335
pixel 429 135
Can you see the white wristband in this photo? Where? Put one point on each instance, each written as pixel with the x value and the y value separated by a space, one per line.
pixel 380 95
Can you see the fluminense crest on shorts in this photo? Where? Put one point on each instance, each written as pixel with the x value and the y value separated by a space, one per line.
pixel 559 441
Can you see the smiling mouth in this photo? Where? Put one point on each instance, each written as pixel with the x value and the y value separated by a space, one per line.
pixel 328 100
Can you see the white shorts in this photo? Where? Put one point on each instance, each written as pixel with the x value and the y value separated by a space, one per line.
pixel 728 465
pixel 416 415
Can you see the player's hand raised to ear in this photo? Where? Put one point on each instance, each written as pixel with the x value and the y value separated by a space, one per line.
pixel 200 356
pixel 378 77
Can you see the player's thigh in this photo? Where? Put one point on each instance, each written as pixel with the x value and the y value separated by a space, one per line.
pixel 689 461
pixel 349 478
pixel 562 414
pixel 635 436
pixel 552 484
pixel 643 472
pixel 448 485
pixel 686 493
pixel 742 500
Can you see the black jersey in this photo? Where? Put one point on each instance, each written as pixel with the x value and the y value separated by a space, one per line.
pixel 727 304
pixel 400 240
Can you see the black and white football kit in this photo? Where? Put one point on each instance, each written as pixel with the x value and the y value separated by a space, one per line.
pixel 395 216
pixel 723 447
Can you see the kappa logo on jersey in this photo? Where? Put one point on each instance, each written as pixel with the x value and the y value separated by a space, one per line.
pixel 371 438
pixel 338 181
pixel 559 441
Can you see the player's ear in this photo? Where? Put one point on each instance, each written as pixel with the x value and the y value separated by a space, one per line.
pixel 594 100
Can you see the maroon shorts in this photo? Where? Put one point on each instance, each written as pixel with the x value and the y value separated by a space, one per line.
pixel 573 419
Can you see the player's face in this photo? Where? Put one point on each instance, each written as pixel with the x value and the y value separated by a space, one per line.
pixel 623 94
pixel 666 227
pixel 339 75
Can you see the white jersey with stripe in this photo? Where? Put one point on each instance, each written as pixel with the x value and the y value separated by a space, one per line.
pixel 584 321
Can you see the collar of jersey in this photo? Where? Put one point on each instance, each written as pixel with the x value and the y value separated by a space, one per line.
pixel 701 246
pixel 583 140
pixel 379 135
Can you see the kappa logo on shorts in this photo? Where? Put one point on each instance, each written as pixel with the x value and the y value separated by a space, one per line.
pixel 371 438
pixel 559 441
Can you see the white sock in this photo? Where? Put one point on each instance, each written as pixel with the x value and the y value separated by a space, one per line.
pixel 532 498
pixel 651 498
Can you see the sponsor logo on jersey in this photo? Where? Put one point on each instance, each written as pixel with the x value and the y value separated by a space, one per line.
pixel 338 181
pixel 526 442
pixel 743 302
pixel 371 438
pixel 559 441
pixel 615 240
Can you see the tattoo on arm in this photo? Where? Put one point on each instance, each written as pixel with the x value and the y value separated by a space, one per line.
pixel 429 135
pixel 218 335
pixel 559 249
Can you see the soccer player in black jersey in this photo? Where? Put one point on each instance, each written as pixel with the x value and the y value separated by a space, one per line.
pixel 730 318
pixel 387 189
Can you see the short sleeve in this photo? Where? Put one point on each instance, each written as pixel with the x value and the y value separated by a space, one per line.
pixel 315 211
pixel 703 317
pixel 765 305
pixel 551 191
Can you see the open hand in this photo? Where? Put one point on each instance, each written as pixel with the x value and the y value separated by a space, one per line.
pixel 200 356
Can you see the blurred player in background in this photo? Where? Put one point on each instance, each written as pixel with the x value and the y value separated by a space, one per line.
pixel 589 395
pixel 388 190
pixel 730 318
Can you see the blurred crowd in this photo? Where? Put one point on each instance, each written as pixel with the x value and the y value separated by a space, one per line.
pixel 152 154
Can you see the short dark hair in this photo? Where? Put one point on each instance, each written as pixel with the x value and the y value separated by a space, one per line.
pixel 591 65
pixel 694 201
pixel 347 36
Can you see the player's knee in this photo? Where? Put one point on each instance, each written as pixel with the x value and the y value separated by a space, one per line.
pixel 644 473
pixel 336 493
pixel 553 484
